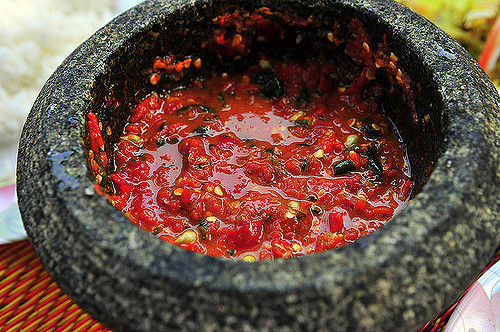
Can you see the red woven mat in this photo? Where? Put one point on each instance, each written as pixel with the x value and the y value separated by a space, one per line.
pixel 29 298
pixel 31 301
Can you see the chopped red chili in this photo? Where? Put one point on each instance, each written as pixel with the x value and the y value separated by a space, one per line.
pixel 273 163
pixel 277 162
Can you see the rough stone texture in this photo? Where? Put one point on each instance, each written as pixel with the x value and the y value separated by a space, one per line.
pixel 395 279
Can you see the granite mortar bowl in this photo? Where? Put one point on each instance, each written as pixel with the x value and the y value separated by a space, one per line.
pixel 397 278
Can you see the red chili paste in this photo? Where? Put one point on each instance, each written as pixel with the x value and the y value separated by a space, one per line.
pixel 279 161
pixel 273 163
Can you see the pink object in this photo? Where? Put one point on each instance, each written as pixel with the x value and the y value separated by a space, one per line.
pixel 7 196
pixel 479 310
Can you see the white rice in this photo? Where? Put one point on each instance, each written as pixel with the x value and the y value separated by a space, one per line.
pixel 35 37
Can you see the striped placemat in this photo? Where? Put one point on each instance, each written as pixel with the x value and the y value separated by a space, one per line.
pixel 30 300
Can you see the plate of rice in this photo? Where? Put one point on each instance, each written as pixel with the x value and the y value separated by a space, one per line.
pixel 33 42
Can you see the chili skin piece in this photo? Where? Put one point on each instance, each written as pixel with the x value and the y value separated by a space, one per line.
pixel 274 163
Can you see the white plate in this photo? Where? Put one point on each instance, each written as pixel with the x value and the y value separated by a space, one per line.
pixel 11 226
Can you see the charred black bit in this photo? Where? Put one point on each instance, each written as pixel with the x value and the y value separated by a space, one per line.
pixel 316 209
pixel 301 215
pixel 344 166
pixel 231 252
pixel 306 144
pixel 371 130
pixel 160 142
pixel 220 97
pixel 156 231
pixel 140 157
pixel 377 180
pixel 107 112
pixel 312 198
pixel 305 165
pixel 373 162
pixel 203 108
pixel 354 148
pixel 303 98
pixel 269 85
pixel 262 76
pixel 172 140
pixel 269 150
pixel 202 166
pixel 204 228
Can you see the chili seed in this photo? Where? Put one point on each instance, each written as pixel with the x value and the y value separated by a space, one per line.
pixel 178 191
pixel 248 258
pixel 296 116
pixel 292 204
pixel 132 137
pixel 218 191
pixel 366 47
pixel 289 215
pixel 187 237
pixel 197 63
pixel 330 37
pixel 319 153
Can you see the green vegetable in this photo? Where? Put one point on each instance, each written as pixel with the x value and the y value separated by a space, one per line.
pixel 304 123
pixel 344 166
pixel 170 140
pixel 351 140
pixel 202 130
pixel 250 142
pixel 373 162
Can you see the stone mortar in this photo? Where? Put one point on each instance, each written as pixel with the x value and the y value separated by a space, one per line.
pixel 395 279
